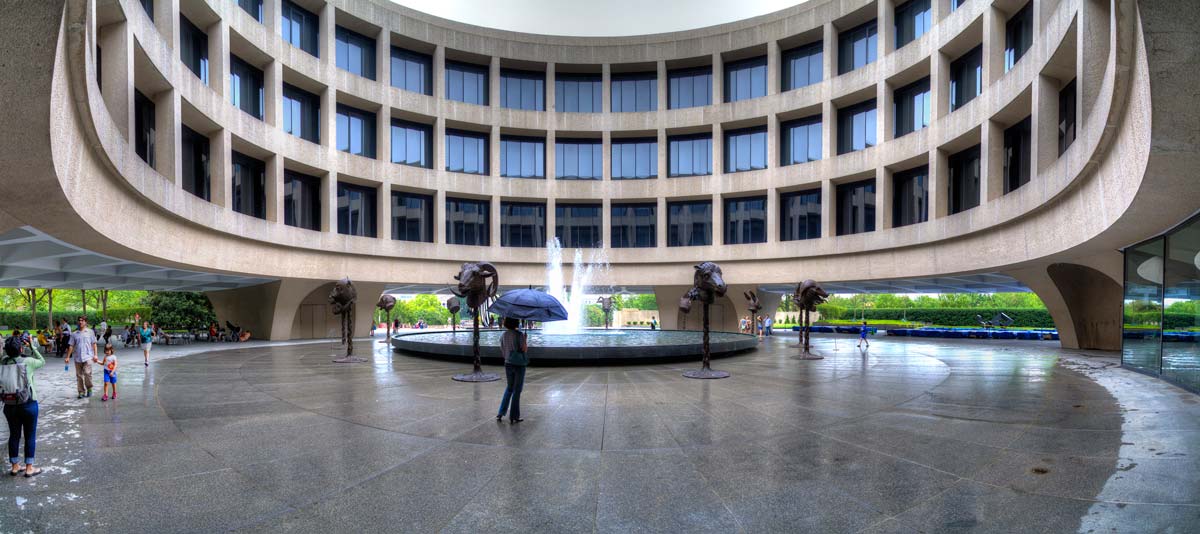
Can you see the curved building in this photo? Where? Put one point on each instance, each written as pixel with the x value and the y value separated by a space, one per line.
pixel 261 148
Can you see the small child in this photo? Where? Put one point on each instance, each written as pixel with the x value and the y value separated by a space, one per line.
pixel 110 372
pixel 862 335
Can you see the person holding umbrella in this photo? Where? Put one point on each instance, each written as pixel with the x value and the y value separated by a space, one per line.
pixel 514 306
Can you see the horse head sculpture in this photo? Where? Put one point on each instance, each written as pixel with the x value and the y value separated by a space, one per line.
pixel 808 295
pixel 343 296
pixel 753 305
pixel 606 303
pixel 707 285
pixel 477 282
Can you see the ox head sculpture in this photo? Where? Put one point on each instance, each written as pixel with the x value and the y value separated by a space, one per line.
pixel 477 282
pixel 808 295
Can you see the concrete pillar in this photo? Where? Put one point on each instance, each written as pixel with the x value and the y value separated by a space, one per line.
pixel 383 134
pixel 494 222
pixel 885 112
pixel 383 212
pixel 218 57
pixel 661 225
pixel 939 189
pixel 828 130
pixel 383 61
pixel 606 98
pixel 271 12
pixel 938 9
pixel 606 148
pixel 773 69
pixel 1044 127
pixel 493 154
pixel 328 121
pixel 829 55
pixel 993 45
pixel 551 218
pixel 551 94
pixel 494 82
pixel 884 193
pixel 828 205
pixel 273 94
pixel 116 45
pixel 939 85
pixel 329 201
pixel 326 24
pixel 991 165
pixel 551 157
pixel 168 147
pixel 439 75
pixel 220 168
pixel 663 157
pixel 772 216
pixel 718 220
pixel 718 82
pixel 274 187
pixel 166 19
pixel 439 217
pixel 772 141
pixel 718 150
pixel 1091 57
pixel 664 94
pixel 886 27
pixel 606 222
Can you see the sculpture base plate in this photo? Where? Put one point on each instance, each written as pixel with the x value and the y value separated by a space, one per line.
pixel 810 356
pixel 350 359
pixel 476 377
pixel 705 374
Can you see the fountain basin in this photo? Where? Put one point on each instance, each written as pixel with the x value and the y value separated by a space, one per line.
pixel 590 347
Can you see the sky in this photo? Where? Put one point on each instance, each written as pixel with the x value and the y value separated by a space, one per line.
pixel 597 17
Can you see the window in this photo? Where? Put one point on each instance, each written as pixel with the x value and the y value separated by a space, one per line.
pixel 800 215
pixel 910 197
pixel 746 149
pixel 689 224
pixel 577 225
pixel 99 68
pixel 195 163
pixel 148 6
pixel 253 7
pixel 467 83
pixel 412 71
pixel 578 93
pixel 800 140
pixel 522 224
pixel 356 210
pixel 412 143
pixel 634 158
pixel 301 200
pixel 1066 117
pixel 857 47
pixel 523 89
pixel 144 127
pixel 745 220
pixel 635 92
pixel 856 127
pixel 1018 155
pixel 912 107
pixel 1180 318
pixel 298 26
pixel 746 79
pixel 912 21
pixel 1018 36
pixel 578 159
pixel 466 152
pixel 964 180
pixel 467 222
pixel 522 157
pixel 301 113
pixel 246 87
pixel 412 217
pixel 249 186
pixel 802 66
pixel 856 207
pixel 355 131
pixel 955 4
pixel 966 78
pixel 355 53
pixel 689 155
pixel 193 48
pixel 634 225
pixel 689 88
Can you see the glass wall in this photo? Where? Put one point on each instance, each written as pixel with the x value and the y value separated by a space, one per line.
pixel 246 87
pixel 856 127
pixel 800 215
pixel 966 78
pixel 964 180
pixel 912 107
pixel 746 149
pixel 578 225
pixel 301 113
pixel 634 225
pixel 634 92
pixel 467 83
pixel 689 155
pixel 298 26
pixel 578 159
pixel 689 88
pixel 800 140
pixel 802 66
pixel 412 71
pixel 412 217
pixel 356 210
pixel 468 222
pixel 689 224
pixel 856 207
pixel 745 79
pixel 249 186
pixel 522 224
pixel 1143 306
pixel 910 199
pixel 301 200
pixel 412 143
pixel 634 158
pixel 912 21
pixel 195 162
pixel 466 152
pixel 522 157
pixel 355 53
pixel 745 220
pixel 355 131
pixel 193 48
pixel 1018 155
pixel 857 47
pixel 523 89
pixel 578 93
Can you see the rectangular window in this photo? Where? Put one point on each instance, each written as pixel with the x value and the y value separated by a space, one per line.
pixel 803 66
pixel 193 48
pixel 412 143
pixel 466 152
pixel 1066 117
pixel 800 215
pixel 913 19
pixel 148 6
pixel 857 47
pixel 745 220
pixel 578 159
pixel 356 210
pixel 249 186
pixel 910 197
pixel 468 222
pixel 412 217
pixel 856 127
pixel 246 87
pixel 966 78
pixel 1018 154
pixel 355 131
pixel 578 93
pixel 523 89
pixel 689 155
pixel 689 88
pixel 689 224
pixel 800 140
pixel 634 158
pixel 746 149
pixel 955 4
pixel 522 224
pixel 144 127
pixel 195 163
pixel 355 53
pixel 253 7
pixel 634 92
pixel 412 71
pixel 746 79
pixel 964 180
pixel 634 225
pixel 298 27
pixel 1018 36
pixel 912 107
pixel 467 83
pixel 301 113
pixel 301 200
pixel 522 157
pixel 578 225
pixel 856 207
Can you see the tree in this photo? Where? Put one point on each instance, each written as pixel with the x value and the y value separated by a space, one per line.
pixel 180 309
pixel 32 299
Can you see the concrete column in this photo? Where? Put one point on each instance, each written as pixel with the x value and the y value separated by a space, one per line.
pixel 993 45
pixel 220 168
pixel 494 151
pixel 718 81
pixel 494 82
pixel 551 218
pixel 383 134
pixel 661 225
pixel 1044 127
pixel 326 24
pixel 828 130
pixel 439 217
pixel 606 222
pixel 663 157
pixel 439 75
pixel 829 56
pixel 1091 57
pixel 218 57
pixel 886 27
pixel 884 193
pixel 606 148
pixel 828 207
pixel 773 70
pixel 551 157
pixel 551 96
pixel 664 93
pixel 168 146
pixel 274 187
pixel 166 19
pixel 718 219
pixel 383 212
pixel 329 200
pixel 328 121
pixel 939 85
pixel 383 62
pixel 606 98
pixel 938 9
pixel 1084 302
pixel 271 12
pixel 991 165
pixel 116 76
pixel 772 141
pixel 273 94
pixel 718 150
pixel 439 144
pixel 939 189
pixel 885 112
pixel 772 216
pixel 494 222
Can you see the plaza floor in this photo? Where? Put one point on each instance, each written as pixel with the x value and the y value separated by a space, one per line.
pixel 909 436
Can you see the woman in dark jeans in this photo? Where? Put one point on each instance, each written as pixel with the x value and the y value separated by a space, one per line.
pixel 22 418
pixel 514 347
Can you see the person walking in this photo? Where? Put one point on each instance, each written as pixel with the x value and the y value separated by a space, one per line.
pixel 514 347
pixel 767 324
pixel 110 372
pixel 147 337
pixel 19 361
pixel 862 336
pixel 62 338
pixel 83 351
pixel 653 323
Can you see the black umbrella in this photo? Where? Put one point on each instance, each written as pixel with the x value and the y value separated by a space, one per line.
pixel 529 305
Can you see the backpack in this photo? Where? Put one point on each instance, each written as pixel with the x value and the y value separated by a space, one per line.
pixel 14 382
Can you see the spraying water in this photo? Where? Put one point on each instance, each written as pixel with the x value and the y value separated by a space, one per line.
pixel 574 300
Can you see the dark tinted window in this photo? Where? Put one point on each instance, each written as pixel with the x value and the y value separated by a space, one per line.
pixel 689 155
pixel 634 225
pixel 143 127
pixel 246 87
pixel 466 152
pixel 193 48
pixel 913 19
pixel 800 140
pixel 148 7
pixel 910 199
pixel 355 53
pixel 857 47
pixel 412 71
pixel 745 220
pixel 578 159
pixel 746 79
pixel 856 207
pixel 856 127
pixel 1018 155
pixel 467 222
pixel 301 200
pixel 412 143
pixel 577 225
pixel 195 163
pixel 467 83
pixel 522 224
pixel 635 92
pixel 249 186
pixel 803 66
pixel 412 217
pixel 746 149
pixel 253 7
pixel 522 157
pixel 578 93
pixel 689 224
pixel 355 131
pixel 800 215
pixel 298 26
pixel 523 89
pixel 1066 117
pixel 689 88
pixel 634 158
pixel 301 113
pixel 964 180
pixel 912 107
pixel 1018 36
pixel 966 78
pixel 356 210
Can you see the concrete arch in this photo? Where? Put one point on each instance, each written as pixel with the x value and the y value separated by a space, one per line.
pixel 1083 299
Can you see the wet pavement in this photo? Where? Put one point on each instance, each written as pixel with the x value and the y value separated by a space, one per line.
pixel 910 436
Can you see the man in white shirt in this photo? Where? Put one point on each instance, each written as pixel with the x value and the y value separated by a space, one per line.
pixel 82 351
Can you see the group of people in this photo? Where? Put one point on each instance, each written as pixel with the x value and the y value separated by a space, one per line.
pixel 760 326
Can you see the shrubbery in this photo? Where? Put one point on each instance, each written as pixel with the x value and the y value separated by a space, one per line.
pixel 117 317
pixel 1022 317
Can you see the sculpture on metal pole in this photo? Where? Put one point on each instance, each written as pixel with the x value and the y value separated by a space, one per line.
pixel 807 296
pixel 606 305
pixel 386 303
pixel 453 305
pixel 343 298
pixel 753 306
pixel 707 286
pixel 478 283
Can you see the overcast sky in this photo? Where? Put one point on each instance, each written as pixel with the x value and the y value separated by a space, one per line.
pixel 597 17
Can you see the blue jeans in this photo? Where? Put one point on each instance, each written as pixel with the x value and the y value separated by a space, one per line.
pixel 516 382
pixel 21 417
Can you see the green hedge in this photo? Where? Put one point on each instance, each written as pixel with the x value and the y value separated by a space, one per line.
pixel 1026 317
pixel 117 318
pixel 1170 321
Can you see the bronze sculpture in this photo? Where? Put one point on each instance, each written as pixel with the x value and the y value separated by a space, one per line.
pixel 807 296
pixel 753 306
pixel 453 306
pixel 477 282
pixel 606 304
pixel 386 303
pixel 707 286
pixel 343 297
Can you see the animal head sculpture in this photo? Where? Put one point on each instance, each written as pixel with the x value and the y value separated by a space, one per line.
pixel 808 295
pixel 386 303
pixel 453 305
pixel 753 305
pixel 606 303
pixel 477 282
pixel 342 296
pixel 707 285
